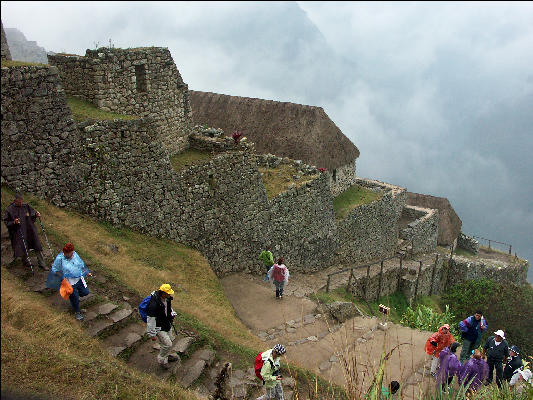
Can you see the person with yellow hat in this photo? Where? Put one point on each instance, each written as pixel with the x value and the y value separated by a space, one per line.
pixel 159 316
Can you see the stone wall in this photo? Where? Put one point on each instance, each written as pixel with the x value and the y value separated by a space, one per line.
pixel 464 269
pixel 341 178
pixel 6 55
pixel 422 231
pixel 467 243
pixel 39 137
pixel 449 221
pixel 143 82
pixel 370 231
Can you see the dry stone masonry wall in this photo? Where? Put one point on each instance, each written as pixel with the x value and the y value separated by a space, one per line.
pixel 143 82
pixel 467 243
pixel 423 229
pixel 342 178
pixel 370 231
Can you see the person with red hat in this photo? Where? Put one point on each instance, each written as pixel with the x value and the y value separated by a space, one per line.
pixel 71 267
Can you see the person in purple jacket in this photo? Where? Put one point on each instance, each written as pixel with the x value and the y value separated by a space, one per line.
pixel 449 366
pixel 474 372
pixel 471 330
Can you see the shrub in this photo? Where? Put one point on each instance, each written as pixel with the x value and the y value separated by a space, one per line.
pixel 506 306
pixel 427 319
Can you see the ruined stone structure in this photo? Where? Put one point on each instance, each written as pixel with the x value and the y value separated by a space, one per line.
pixel 468 243
pixel 143 82
pixel 25 50
pixel 421 228
pixel 285 129
pixel 121 172
pixel 6 55
pixel 449 222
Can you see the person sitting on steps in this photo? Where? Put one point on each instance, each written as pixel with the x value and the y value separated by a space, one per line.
pixel 279 274
pixel 159 317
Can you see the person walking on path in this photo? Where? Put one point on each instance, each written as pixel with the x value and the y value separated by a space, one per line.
pixel 69 265
pixel 159 317
pixel 271 374
pixel 436 343
pixel 449 365
pixel 513 364
pixel 474 372
pixel 279 274
pixel 268 260
pixel 471 330
pixel 20 221
pixel 496 350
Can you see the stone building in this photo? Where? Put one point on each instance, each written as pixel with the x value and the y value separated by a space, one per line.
pixel 6 55
pixel 285 129
pixel 141 81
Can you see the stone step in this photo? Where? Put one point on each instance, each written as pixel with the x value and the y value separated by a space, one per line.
pixel 125 338
pixel 144 358
pixel 191 370
pixel 183 344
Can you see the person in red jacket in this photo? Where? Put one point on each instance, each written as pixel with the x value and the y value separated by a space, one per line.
pixel 436 342
pixel 279 274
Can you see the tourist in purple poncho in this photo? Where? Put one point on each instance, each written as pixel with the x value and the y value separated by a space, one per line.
pixel 449 365
pixel 475 369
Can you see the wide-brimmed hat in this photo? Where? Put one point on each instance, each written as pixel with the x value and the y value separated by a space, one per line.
pixel 499 332
pixel 165 287
pixel 526 374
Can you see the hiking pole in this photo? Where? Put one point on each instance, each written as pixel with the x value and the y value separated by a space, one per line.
pixel 46 237
pixel 25 248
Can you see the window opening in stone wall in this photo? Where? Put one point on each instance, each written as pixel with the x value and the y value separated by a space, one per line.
pixel 334 175
pixel 140 78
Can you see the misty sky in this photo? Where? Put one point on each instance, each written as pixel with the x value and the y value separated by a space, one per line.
pixel 438 97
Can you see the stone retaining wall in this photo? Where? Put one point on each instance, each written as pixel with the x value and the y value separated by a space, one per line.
pixel 464 269
pixel 143 82
pixel 467 243
pixel 423 230
pixel 370 231
pixel 342 178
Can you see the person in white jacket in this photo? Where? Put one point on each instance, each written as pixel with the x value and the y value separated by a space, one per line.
pixel 279 275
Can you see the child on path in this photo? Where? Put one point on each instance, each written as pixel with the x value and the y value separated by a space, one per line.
pixel 279 274
pixel 268 259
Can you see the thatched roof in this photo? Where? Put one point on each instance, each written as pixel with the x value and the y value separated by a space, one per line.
pixel 285 129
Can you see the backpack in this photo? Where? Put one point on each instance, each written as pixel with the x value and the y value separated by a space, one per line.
pixel 259 364
pixel 143 306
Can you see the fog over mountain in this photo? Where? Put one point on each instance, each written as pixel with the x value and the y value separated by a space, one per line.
pixel 438 97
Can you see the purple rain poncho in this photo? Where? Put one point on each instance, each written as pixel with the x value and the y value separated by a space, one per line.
pixel 475 369
pixel 448 367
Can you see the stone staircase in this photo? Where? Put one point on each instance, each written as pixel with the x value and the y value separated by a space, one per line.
pixel 114 320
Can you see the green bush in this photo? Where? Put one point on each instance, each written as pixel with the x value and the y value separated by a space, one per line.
pixel 506 306
pixel 427 319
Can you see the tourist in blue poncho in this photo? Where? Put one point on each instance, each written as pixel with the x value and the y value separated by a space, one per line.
pixel 471 330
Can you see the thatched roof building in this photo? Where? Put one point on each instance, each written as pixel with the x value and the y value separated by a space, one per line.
pixel 285 129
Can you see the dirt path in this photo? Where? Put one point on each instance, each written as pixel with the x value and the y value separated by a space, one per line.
pixel 317 343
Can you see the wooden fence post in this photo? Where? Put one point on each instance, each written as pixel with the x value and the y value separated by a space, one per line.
pixel 400 274
pixel 367 280
pixel 433 274
pixel 380 279
pixel 418 279
pixel 327 286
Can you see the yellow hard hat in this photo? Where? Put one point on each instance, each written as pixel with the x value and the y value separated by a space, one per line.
pixel 165 287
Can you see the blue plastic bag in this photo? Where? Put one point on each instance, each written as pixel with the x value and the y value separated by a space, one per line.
pixel 53 281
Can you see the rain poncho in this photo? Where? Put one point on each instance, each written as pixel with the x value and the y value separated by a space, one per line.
pixel 475 369
pixel 27 216
pixel 442 340
pixel 448 367
pixel 70 268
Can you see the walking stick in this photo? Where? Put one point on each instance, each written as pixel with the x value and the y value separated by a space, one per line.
pixel 46 237
pixel 25 248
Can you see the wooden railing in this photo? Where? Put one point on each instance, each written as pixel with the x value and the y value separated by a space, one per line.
pixel 495 241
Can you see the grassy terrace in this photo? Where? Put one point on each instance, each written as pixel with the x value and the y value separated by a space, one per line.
pixel 352 197
pixel 11 63
pixel 84 111
pixel 278 180
pixel 189 158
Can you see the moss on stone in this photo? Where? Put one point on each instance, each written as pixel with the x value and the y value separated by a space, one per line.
pixel 84 111
pixel 352 197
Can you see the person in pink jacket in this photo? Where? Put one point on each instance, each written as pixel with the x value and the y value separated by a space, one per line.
pixel 279 274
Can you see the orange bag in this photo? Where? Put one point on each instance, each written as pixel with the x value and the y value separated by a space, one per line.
pixel 65 290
